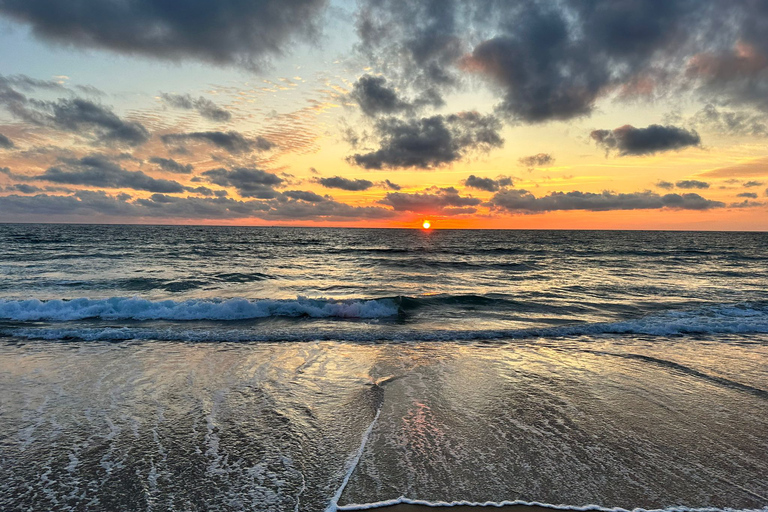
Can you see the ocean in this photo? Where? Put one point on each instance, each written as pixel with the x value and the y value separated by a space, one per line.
pixel 174 368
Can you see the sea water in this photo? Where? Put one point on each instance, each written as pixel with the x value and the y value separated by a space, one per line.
pixel 227 368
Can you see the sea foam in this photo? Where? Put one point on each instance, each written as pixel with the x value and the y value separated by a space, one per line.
pixel 135 308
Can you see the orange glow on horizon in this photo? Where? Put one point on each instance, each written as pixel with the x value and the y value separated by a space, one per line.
pixel 426 224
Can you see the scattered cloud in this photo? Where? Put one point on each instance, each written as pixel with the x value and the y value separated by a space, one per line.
pixel 666 185
pixel 345 183
pixel 248 182
pixel 205 107
pixel 74 115
pixel 5 142
pixel 523 201
pixel 688 184
pixel 233 142
pixel 537 160
pixel 171 165
pixel 628 140
pixel 430 142
pixel 101 171
pixel 487 184
pixel 440 201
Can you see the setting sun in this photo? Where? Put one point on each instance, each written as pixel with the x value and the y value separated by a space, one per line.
pixel 426 224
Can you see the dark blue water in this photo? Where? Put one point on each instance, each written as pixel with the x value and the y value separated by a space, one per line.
pixel 224 368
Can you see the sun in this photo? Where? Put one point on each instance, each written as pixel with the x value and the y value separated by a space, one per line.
pixel 426 224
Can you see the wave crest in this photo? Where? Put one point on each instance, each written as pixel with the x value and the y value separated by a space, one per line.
pixel 135 308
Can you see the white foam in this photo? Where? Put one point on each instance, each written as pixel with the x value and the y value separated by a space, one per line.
pixel 584 508
pixel 135 308
pixel 333 506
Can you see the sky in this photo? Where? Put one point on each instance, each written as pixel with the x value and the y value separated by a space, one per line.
pixel 559 114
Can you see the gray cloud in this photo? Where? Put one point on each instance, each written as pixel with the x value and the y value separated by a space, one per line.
pixel 96 204
pixel 74 115
pixel 443 201
pixel 205 107
pixel 24 188
pixel 554 60
pixel 345 183
pixel 487 184
pixel 537 160
pixel 750 184
pixel 100 171
pixel 5 142
pixel 666 185
pixel 692 184
pixel 751 195
pixel 430 142
pixel 171 165
pixel 730 122
pixel 239 32
pixel 233 142
pixel 304 195
pixel 524 201
pixel 374 97
pixel 392 186
pixel 248 182
pixel 628 140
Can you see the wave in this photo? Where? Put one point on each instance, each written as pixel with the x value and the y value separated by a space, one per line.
pixel 491 504
pixel 145 319
pixel 135 308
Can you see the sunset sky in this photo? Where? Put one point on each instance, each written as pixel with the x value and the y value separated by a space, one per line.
pixel 589 114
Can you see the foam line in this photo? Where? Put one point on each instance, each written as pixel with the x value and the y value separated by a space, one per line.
pixel 490 504
pixel 333 506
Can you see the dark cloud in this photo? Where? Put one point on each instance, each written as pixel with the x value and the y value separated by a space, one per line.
pixel 416 44
pixel 248 182
pixel 304 195
pixel 207 108
pixel 692 184
pixel 524 201
pixel 628 140
pixel 75 115
pixel 233 142
pixel 746 204
pixel 487 184
pixel 171 165
pixel 205 191
pixel 374 97
pixel 537 160
pixel 345 183
pixel 244 32
pixel 751 195
pixel 5 142
pixel 24 188
pixel 554 60
pixel 392 186
pixel 666 185
pixel 730 122
pixel 97 204
pixel 100 171
pixel 430 142
pixel 750 184
pixel 443 201
pixel 15 176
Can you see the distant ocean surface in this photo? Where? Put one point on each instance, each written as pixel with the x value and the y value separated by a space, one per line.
pixel 161 368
